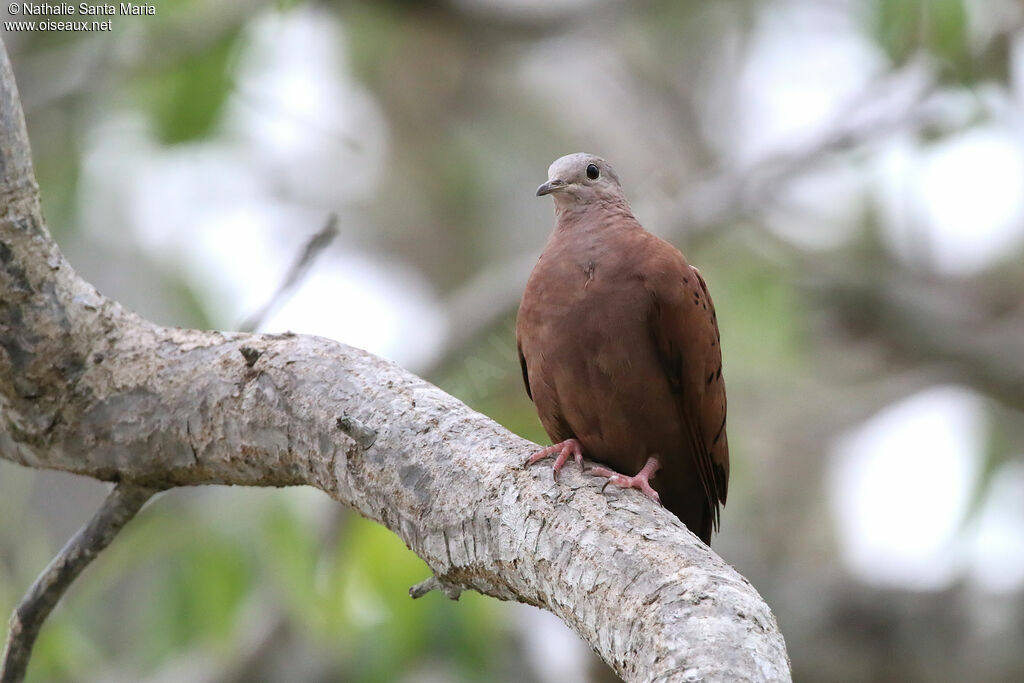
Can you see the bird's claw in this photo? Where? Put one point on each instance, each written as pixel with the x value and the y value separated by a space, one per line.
pixel 565 449
pixel 641 481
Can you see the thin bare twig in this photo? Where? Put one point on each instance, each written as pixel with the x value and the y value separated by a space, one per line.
pixel 730 195
pixel 123 503
pixel 316 245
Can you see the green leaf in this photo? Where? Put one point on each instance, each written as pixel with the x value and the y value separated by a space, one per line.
pixel 199 595
pixel 62 652
pixel 186 100
pixel 293 551
pixel 367 604
pixel 904 28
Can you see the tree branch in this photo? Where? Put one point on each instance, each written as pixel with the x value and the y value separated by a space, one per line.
pixel 314 247
pixel 120 506
pixel 931 322
pixel 90 388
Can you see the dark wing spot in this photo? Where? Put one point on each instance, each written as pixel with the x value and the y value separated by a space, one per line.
pixel 721 481
pixel 526 373
pixel 721 429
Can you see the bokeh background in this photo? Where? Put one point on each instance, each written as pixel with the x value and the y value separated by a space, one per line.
pixel 849 176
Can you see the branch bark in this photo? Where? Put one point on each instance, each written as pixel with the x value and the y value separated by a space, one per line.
pixel 90 388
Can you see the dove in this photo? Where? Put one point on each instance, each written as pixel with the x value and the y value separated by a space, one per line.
pixel 620 350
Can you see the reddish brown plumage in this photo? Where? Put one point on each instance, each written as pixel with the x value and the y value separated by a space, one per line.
pixel 619 346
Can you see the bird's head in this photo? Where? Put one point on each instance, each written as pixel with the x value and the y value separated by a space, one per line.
pixel 581 179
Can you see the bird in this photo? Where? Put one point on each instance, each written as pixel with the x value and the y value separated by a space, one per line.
pixel 620 350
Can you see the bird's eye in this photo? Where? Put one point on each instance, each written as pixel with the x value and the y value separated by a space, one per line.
pixel 593 172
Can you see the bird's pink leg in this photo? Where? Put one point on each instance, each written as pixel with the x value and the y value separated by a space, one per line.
pixel 564 449
pixel 641 481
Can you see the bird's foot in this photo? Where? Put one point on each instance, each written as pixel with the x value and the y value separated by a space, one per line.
pixel 569 447
pixel 642 480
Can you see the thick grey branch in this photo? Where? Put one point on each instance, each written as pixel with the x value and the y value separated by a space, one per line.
pixel 88 387
pixel 119 507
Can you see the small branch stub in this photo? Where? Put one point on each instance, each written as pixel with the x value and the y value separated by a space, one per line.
pixel 251 355
pixel 360 433
pixel 451 591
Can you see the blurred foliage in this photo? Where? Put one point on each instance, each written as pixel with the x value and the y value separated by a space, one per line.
pixel 906 28
pixel 942 31
pixel 185 99
pixel 184 574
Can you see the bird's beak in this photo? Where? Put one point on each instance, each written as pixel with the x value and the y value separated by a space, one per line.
pixel 551 186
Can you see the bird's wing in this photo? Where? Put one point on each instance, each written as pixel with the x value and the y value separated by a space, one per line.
pixel 685 330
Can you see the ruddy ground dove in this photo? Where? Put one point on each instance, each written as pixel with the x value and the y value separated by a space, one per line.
pixel 619 346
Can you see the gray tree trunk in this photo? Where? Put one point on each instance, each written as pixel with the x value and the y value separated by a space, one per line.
pixel 90 388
